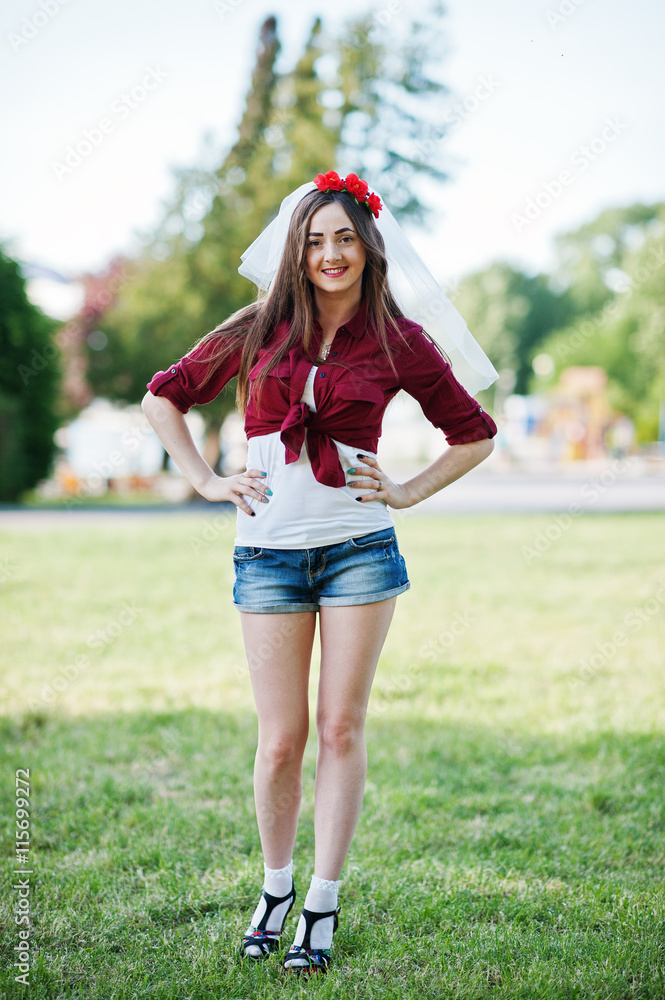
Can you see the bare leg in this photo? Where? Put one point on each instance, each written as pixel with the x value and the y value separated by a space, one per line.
pixel 279 649
pixel 351 642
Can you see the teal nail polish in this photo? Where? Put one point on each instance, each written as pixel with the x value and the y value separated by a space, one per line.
pixel 269 492
pixel 351 472
pixel 264 473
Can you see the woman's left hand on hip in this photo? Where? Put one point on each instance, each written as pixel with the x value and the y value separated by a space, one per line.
pixel 368 475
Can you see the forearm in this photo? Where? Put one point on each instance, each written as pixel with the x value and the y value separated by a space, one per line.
pixel 171 428
pixel 453 464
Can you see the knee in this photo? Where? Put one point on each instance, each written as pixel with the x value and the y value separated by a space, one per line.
pixel 339 736
pixel 282 751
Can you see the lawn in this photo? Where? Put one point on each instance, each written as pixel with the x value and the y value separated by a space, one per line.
pixel 511 841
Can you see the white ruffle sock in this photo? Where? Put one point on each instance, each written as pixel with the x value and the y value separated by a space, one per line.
pixel 277 882
pixel 321 898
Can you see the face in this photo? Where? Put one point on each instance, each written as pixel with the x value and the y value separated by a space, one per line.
pixel 335 255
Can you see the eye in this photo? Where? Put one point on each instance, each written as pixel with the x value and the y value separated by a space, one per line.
pixel 313 243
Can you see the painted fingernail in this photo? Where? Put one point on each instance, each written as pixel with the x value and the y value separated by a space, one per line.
pixel 351 472
pixel 265 499
pixel 359 499
pixel 360 456
pixel 269 492
pixel 253 513
pixel 264 473
pixel 351 484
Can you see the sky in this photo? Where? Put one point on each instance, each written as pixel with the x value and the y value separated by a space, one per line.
pixel 555 108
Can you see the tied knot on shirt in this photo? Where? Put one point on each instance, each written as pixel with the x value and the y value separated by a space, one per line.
pixel 320 444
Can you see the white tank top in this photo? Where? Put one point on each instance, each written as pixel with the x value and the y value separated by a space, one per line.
pixel 303 513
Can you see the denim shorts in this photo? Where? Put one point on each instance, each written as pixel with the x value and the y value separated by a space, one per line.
pixel 360 571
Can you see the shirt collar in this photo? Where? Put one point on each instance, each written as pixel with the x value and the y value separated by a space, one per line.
pixel 357 324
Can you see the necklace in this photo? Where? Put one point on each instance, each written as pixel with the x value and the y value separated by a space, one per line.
pixel 325 351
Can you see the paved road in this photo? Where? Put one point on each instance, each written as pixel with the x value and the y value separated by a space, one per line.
pixel 605 491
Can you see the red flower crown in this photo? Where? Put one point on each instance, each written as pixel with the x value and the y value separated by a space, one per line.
pixel 354 185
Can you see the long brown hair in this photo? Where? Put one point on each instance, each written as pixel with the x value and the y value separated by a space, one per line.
pixel 291 297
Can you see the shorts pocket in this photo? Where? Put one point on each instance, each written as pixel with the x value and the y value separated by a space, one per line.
pixel 247 553
pixel 377 540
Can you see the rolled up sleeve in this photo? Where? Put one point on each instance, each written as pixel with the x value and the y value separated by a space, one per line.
pixel 428 377
pixel 181 382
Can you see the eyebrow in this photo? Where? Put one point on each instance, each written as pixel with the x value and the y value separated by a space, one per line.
pixel 346 229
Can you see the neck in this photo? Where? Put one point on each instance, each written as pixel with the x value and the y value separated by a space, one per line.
pixel 334 310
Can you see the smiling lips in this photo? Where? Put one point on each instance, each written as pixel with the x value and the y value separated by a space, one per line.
pixel 332 271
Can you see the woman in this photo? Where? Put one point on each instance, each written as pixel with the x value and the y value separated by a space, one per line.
pixel 317 359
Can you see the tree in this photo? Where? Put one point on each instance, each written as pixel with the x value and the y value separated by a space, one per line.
pixel 625 335
pixel 591 258
pixel 512 314
pixel 342 99
pixel 394 112
pixel 29 380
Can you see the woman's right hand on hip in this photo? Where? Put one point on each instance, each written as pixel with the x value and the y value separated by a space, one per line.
pixel 234 488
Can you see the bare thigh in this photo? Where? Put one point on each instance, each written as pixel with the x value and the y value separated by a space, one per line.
pixel 351 642
pixel 279 652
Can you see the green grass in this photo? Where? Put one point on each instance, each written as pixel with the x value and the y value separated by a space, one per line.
pixel 511 843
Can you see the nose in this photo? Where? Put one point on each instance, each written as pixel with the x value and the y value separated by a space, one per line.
pixel 332 251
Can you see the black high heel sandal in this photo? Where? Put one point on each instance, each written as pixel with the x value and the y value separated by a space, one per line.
pixel 268 941
pixel 318 959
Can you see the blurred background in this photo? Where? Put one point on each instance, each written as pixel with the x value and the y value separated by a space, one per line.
pixel 520 145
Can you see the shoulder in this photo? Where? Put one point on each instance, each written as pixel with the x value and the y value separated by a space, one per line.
pixel 411 338
pixel 410 333
pixel 408 327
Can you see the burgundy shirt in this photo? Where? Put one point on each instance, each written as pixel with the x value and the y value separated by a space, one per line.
pixel 352 389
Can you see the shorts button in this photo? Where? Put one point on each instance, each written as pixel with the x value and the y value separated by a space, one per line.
pixel 322 374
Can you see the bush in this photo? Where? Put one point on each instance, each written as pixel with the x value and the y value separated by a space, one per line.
pixel 29 380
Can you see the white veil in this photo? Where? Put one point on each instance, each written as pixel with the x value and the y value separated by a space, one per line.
pixel 418 294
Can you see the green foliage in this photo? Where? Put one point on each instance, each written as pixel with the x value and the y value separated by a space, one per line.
pixel 346 102
pixel 29 379
pixel 589 255
pixel 394 107
pixel 604 305
pixel 511 313
pixel 624 251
